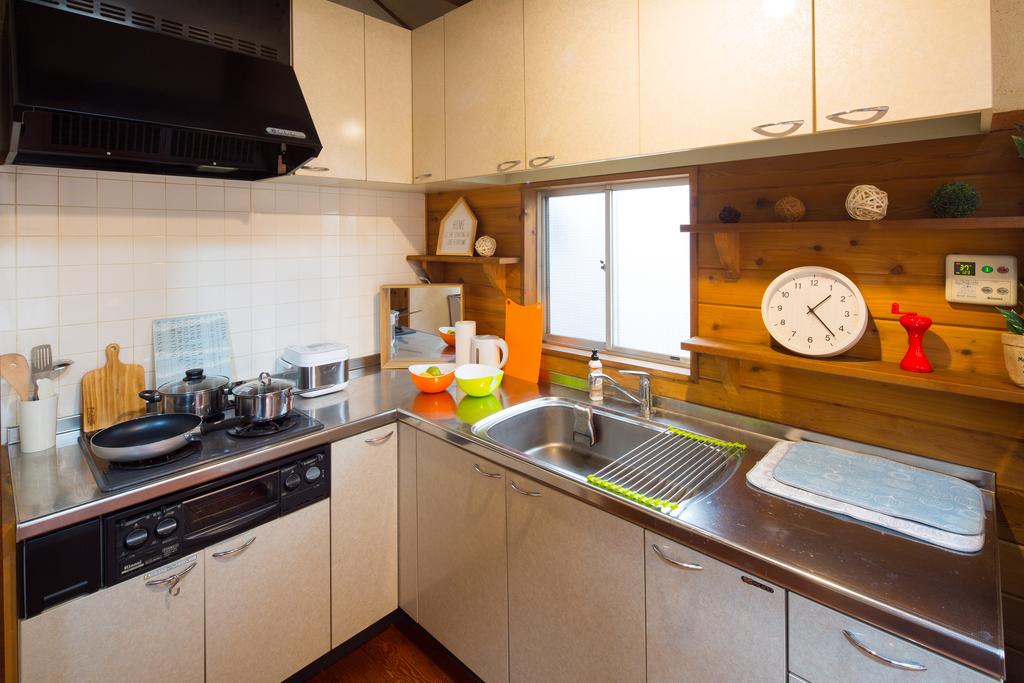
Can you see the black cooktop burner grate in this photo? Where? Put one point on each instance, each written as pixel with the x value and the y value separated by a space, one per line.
pixel 180 454
pixel 264 428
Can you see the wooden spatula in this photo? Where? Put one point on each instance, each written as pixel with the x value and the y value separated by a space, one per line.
pixel 111 391
pixel 14 369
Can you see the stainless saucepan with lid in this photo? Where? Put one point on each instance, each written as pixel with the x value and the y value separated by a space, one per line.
pixel 196 394
pixel 263 399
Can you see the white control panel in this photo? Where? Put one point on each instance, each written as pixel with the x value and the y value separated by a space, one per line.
pixel 980 279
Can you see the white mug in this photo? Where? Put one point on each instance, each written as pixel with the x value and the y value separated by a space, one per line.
pixel 465 330
pixel 489 350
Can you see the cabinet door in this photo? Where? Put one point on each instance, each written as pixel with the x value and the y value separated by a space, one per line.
pixel 388 102
pixel 484 119
pixel 919 58
pixel 463 591
pixel 428 102
pixel 581 81
pixel 268 596
pixel 575 589
pixel 134 631
pixel 820 651
pixel 704 623
pixel 327 52
pixel 364 531
pixel 710 72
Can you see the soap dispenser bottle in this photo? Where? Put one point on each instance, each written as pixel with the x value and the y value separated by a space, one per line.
pixel 596 383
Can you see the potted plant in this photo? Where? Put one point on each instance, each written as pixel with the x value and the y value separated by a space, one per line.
pixel 1013 342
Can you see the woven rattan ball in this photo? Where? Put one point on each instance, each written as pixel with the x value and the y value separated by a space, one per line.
pixel 789 208
pixel 867 203
pixel 486 245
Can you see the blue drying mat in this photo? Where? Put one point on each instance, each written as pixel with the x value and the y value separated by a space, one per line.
pixel 885 486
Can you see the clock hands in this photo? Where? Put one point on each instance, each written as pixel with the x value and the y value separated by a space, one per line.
pixel 810 311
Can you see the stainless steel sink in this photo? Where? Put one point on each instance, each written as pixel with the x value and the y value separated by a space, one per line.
pixel 662 470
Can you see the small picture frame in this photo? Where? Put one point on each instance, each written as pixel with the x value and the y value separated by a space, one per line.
pixel 458 231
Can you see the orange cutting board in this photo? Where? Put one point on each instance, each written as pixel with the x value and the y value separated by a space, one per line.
pixel 111 391
pixel 524 329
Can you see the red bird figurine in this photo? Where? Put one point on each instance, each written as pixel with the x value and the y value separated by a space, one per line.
pixel 915 325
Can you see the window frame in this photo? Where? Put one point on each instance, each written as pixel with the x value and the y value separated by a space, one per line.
pixel 682 359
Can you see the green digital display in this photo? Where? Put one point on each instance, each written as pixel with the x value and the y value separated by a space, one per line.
pixel 964 268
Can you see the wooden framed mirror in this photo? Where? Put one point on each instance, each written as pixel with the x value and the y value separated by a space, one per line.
pixel 410 320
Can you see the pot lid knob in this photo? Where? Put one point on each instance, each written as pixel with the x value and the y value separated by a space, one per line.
pixel 264 379
pixel 194 375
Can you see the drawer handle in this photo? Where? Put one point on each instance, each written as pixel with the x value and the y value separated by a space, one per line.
pixel 490 475
pixel 794 124
pixel 532 494
pixel 424 176
pixel 690 566
pixel 315 169
pixel 894 663
pixel 508 165
pixel 380 439
pixel 235 551
pixel 537 162
pixel 172 581
pixel 879 112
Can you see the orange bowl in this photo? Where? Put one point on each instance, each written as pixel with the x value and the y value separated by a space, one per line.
pixel 447 335
pixel 429 384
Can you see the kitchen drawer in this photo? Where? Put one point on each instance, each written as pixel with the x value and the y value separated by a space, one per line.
pixel 819 652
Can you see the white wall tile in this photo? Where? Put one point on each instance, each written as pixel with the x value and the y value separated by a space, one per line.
pixel 77 191
pixel 209 198
pixel 181 197
pixel 78 338
pixel 112 221
pixel 78 280
pixel 36 313
pixel 8 218
pixel 79 251
pixel 37 282
pixel 8 188
pixel 37 220
pixel 37 251
pixel 116 194
pixel 78 221
pixel 78 308
pixel 148 195
pixel 37 189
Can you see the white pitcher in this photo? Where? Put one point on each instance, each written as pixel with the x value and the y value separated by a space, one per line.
pixel 487 349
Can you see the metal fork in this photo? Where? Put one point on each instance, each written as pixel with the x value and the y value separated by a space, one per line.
pixel 41 358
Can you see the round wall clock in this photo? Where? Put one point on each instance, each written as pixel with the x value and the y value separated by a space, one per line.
pixel 814 311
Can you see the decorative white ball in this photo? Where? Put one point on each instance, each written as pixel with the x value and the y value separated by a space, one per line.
pixel 867 203
pixel 486 245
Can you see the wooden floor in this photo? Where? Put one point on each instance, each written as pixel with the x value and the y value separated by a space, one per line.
pixel 390 656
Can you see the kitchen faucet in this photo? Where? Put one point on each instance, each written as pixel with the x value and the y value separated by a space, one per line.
pixel 644 400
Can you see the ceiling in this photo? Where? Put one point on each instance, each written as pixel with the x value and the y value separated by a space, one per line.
pixel 406 13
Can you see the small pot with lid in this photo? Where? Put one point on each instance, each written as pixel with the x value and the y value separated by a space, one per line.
pixel 263 399
pixel 195 394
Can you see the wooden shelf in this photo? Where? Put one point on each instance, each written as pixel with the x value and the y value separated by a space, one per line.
pixel 963 383
pixel 495 268
pixel 727 235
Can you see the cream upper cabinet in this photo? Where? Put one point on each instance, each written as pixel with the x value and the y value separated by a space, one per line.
pixel 483 95
pixel 581 81
pixel 707 621
pixel 575 589
pixel 134 631
pixel 268 598
pixel 388 102
pixel 714 73
pixel 885 61
pixel 463 591
pixel 327 52
pixel 364 531
pixel 428 102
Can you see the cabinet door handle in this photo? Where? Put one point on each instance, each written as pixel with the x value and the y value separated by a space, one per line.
pixel 690 566
pixel 894 663
pixel 380 439
pixel 880 111
pixel 794 124
pixel 173 580
pixel 315 169
pixel 537 162
pixel 423 176
pixel 508 165
pixel 490 475
pixel 235 551
pixel 532 494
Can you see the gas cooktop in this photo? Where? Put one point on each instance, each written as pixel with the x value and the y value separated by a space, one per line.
pixel 216 445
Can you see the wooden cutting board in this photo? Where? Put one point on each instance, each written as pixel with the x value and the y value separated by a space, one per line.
pixel 524 331
pixel 111 391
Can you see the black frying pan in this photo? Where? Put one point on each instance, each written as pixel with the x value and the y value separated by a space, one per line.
pixel 151 436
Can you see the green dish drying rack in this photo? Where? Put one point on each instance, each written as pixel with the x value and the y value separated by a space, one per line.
pixel 667 470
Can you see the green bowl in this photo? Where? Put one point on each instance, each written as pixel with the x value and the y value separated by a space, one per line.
pixel 472 409
pixel 478 380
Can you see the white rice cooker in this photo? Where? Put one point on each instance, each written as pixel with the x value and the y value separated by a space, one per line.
pixel 320 368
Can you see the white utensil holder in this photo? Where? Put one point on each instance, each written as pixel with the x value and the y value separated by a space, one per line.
pixel 37 424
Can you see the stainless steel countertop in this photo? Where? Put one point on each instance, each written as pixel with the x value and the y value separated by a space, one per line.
pixel 945 601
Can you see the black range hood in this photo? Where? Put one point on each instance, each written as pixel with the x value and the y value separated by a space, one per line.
pixel 190 87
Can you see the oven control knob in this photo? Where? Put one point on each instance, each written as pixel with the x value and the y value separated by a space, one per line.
pixel 136 538
pixel 166 526
pixel 312 474
pixel 292 481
